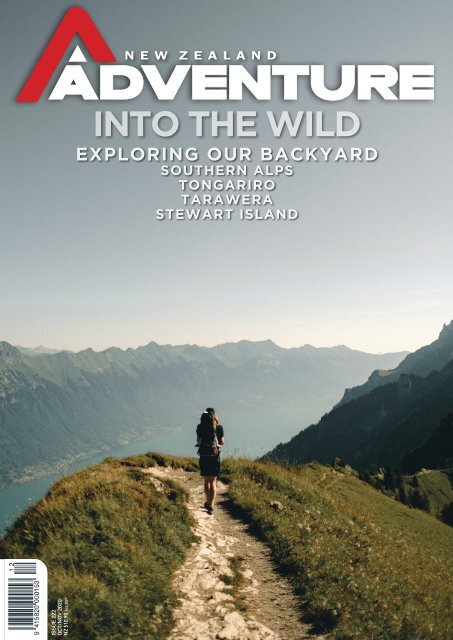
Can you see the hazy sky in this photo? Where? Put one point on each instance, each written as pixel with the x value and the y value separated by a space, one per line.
pixel 83 262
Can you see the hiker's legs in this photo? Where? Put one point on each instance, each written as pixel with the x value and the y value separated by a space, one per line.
pixel 210 489
pixel 207 488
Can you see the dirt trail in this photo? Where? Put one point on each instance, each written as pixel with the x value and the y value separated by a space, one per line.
pixel 207 611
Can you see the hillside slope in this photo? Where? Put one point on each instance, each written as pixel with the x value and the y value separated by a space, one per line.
pixel 54 407
pixel 364 566
pixel 436 452
pixel 111 541
pixel 382 426
pixel 429 358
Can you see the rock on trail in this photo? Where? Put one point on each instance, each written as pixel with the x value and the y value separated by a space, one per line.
pixel 207 610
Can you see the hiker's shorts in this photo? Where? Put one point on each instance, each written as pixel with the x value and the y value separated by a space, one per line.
pixel 209 465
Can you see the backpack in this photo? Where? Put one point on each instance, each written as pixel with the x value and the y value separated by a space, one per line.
pixel 207 442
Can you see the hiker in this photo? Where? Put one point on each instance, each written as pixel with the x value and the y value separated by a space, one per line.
pixel 210 437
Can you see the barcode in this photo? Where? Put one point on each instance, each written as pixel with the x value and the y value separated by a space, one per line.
pixel 23 599
pixel 21 568
pixel 20 603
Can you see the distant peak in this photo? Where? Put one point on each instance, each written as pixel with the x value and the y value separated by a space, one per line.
pixel 447 332
pixel 262 343
pixel 336 347
pixel 8 351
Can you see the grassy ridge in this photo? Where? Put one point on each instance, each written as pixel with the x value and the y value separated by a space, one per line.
pixel 430 490
pixel 111 540
pixel 365 565
pixel 434 487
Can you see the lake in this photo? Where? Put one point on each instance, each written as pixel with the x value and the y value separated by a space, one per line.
pixel 15 499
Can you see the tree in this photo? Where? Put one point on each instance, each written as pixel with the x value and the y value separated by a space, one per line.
pixel 419 500
pixel 389 478
pixel 446 514
pixel 402 494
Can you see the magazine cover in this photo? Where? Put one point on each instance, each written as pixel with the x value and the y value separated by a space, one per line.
pixel 226 322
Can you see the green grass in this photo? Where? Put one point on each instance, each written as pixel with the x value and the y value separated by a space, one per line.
pixel 435 488
pixel 430 490
pixel 235 582
pixel 151 459
pixel 111 542
pixel 364 565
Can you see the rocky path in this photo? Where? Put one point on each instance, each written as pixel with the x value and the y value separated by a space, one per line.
pixel 262 608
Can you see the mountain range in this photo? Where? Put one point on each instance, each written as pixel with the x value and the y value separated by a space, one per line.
pixel 57 406
pixel 36 351
pixel 399 417
pixel 432 357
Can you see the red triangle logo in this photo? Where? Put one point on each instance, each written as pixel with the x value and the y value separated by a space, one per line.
pixel 76 21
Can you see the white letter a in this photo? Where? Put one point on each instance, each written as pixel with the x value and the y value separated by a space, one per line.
pixel 73 82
